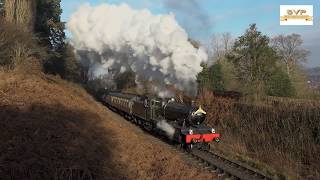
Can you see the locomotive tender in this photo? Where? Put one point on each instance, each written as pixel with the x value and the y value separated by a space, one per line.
pixel 184 124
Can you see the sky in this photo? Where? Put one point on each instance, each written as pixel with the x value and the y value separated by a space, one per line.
pixel 202 18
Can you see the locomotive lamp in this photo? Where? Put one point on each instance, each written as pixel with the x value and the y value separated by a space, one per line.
pixel 190 131
pixel 213 131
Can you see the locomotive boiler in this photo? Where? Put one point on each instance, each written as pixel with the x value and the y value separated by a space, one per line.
pixel 185 115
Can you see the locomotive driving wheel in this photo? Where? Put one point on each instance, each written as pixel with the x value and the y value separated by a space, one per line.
pixel 189 147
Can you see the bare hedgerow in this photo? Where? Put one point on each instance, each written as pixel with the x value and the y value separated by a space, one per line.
pixel 282 133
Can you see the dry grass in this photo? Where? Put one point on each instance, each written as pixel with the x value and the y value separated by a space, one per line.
pixel 52 129
pixel 49 129
pixel 284 134
pixel 19 48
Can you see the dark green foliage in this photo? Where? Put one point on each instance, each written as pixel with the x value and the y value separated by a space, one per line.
pixel 50 29
pixel 252 56
pixel 217 78
pixel 1 7
pixel 49 26
pixel 94 85
pixel 279 84
pixel 125 80
pixel 71 65
pixel 54 63
pixel 203 77
pixel 211 77
pixel 254 60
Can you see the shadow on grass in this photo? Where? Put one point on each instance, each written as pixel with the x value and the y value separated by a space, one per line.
pixel 51 142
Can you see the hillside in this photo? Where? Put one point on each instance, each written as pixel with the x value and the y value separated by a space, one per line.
pixel 52 129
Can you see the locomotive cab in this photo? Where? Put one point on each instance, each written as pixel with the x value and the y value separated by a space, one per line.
pixel 156 109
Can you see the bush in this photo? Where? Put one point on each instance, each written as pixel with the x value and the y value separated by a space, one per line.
pixel 280 85
pixel 211 77
pixel 18 47
pixel 125 80
pixel 71 66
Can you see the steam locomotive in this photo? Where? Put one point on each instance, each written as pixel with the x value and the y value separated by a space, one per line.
pixel 182 123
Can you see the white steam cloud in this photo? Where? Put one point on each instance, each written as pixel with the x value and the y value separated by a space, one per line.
pixel 119 38
pixel 166 127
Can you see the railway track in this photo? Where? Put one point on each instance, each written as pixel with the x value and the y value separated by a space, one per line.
pixel 225 168
pixel 215 163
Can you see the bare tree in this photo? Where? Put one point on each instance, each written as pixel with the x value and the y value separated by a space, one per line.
pixel 220 44
pixel 20 12
pixel 289 50
pixel 216 45
pixel 227 40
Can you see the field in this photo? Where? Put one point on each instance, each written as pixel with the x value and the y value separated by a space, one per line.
pixel 280 136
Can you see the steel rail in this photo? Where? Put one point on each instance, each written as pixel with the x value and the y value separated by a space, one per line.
pixel 227 167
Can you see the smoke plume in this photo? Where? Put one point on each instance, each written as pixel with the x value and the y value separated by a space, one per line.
pixel 116 38
pixel 192 16
pixel 166 127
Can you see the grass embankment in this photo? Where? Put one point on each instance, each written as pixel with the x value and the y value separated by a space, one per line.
pixel 279 136
pixel 53 129
pixel 49 129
